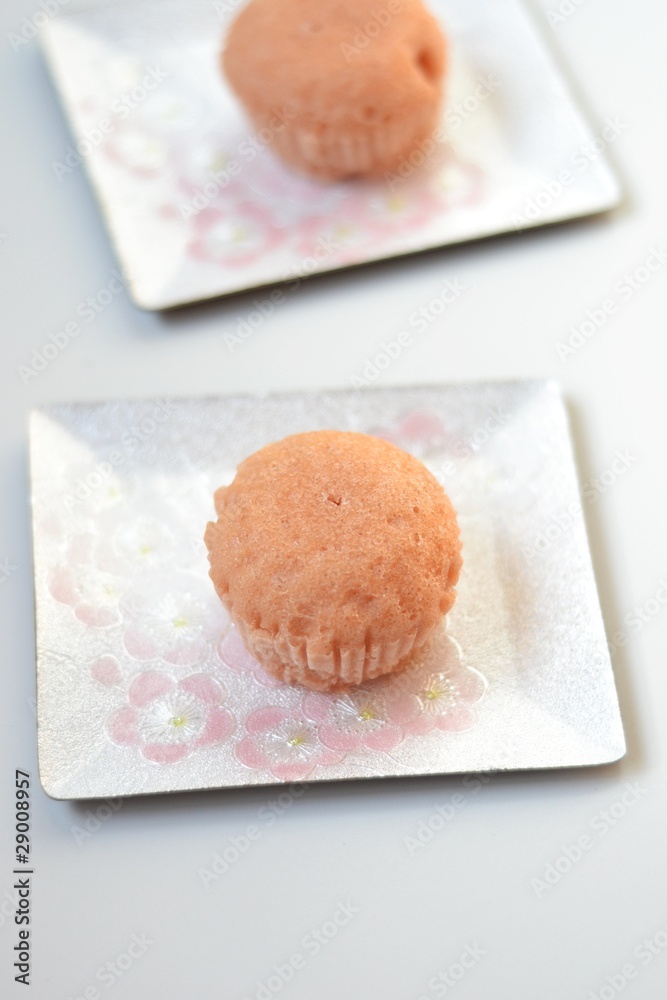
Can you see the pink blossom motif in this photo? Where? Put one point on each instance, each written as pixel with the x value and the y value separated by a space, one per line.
pixel 93 594
pixel 207 169
pixel 292 195
pixel 420 432
pixel 172 112
pixel 342 238
pixel 217 168
pixel 371 216
pixel 357 720
pixel 438 694
pixel 283 743
pixel 234 237
pixel 175 621
pixel 137 150
pixel 137 545
pixel 234 655
pixel 115 546
pixel 106 671
pixel 91 489
pixel 168 720
pixel 459 183
pixel 391 213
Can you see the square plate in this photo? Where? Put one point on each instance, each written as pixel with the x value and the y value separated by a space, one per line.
pixel 198 208
pixel 143 684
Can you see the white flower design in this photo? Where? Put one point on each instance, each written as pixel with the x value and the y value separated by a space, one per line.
pixel 175 618
pixel 292 741
pixel 354 721
pixel 178 621
pixel 438 695
pixel 175 718
pixel 358 712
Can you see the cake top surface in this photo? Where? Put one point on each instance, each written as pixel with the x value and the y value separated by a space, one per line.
pixel 322 61
pixel 332 530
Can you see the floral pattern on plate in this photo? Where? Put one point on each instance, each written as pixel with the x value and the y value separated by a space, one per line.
pixel 283 743
pixel 176 620
pixel 143 683
pixel 171 666
pixel 168 719
pixel 441 693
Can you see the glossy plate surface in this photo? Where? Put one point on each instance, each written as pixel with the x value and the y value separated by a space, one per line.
pixel 197 205
pixel 143 684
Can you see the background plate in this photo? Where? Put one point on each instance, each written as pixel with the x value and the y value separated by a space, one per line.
pixel 143 685
pixel 198 207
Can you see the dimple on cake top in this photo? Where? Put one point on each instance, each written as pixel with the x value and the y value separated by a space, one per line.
pixel 333 532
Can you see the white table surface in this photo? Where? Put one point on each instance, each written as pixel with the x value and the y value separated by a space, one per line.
pixel 473 885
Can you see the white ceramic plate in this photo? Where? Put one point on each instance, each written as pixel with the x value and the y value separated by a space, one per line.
pixel 143 685
pixel 197 206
